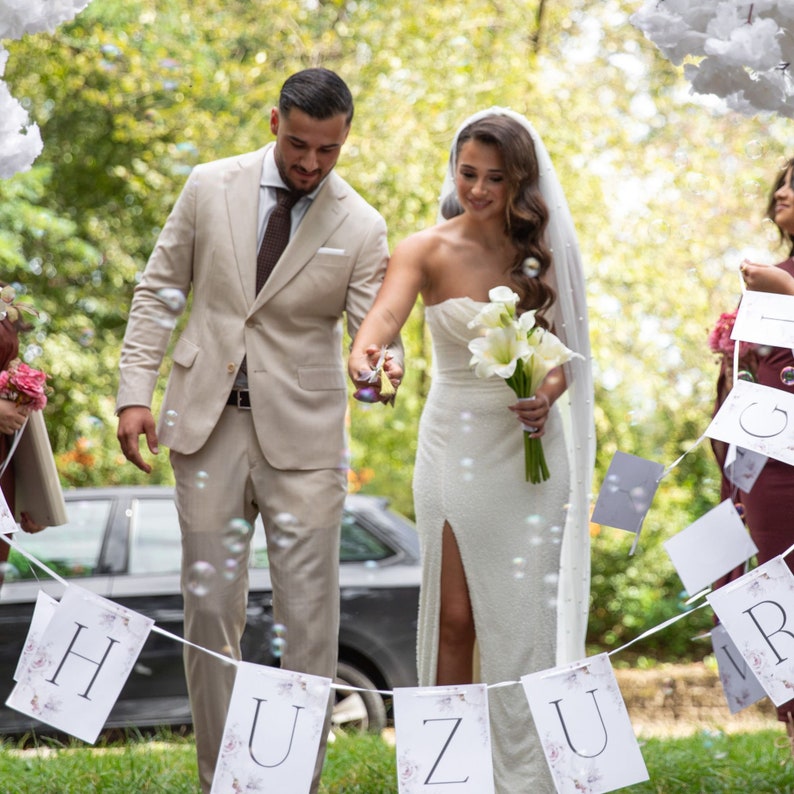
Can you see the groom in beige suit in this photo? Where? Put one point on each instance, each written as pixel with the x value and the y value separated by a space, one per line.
pixel 254 410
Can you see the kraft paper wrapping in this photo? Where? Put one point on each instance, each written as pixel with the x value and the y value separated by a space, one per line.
pixel 38 487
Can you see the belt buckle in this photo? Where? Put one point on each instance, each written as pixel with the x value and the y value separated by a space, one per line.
pixel 239 396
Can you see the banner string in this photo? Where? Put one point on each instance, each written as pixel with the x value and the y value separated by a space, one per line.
pixel 162 632
pixel 346 688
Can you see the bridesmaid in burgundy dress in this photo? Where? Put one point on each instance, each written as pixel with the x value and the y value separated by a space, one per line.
pixel 769 505
pixel 12 417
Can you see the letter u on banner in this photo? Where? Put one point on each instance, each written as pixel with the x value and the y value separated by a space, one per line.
pixel 584 727
pixel 443 740
pixel 757 610
pixel 272 732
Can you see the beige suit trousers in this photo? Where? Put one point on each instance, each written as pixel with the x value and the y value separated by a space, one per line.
pixel 229 478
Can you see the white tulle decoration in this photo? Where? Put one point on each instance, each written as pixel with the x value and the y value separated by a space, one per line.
pixel 18 17
pixel 20 140
pixel 745 49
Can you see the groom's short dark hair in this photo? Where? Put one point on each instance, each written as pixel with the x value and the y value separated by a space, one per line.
pixel 319 93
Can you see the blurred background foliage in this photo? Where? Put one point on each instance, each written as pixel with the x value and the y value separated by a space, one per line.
pixel 667 190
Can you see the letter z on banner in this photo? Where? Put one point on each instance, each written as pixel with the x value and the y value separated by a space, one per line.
pixel 443 740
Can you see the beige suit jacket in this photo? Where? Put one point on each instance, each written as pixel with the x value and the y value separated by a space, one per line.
pixel 291 332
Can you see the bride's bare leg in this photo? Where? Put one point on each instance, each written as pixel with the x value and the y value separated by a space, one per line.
pixel 456 621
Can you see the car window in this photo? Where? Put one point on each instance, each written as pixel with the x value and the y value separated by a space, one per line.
pixel 71 549
pixel 358 544
pixel 155 542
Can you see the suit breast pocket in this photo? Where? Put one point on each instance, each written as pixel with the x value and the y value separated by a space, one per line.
pixel 325 259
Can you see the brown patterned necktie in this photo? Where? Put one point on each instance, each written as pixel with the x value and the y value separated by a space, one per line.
pixel 274 242
pixel 276 235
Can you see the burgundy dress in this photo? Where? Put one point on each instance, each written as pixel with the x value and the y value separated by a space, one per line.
pixel 9 348
pixel 769 506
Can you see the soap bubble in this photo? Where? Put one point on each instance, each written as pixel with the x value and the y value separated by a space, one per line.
pixel 236 534
pixel 200 578
pixel 172 299
pixel 518 567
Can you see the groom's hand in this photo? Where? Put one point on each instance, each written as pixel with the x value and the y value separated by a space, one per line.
pixel 135 421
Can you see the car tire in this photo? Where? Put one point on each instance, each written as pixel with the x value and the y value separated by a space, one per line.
pixel 357 712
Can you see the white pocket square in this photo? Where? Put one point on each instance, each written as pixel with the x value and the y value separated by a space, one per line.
pixel 332 251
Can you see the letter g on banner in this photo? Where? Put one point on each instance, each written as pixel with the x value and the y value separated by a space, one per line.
pixel 757 422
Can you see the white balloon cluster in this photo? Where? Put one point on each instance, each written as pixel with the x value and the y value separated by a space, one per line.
pixel 20 141
pixel 744 50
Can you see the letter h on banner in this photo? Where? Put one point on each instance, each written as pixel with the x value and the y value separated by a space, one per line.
pixel 74 674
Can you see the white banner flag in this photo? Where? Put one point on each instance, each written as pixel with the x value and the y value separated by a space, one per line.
pixel 758 612
pixel 739 684
pixel 765 318
pixel 273 730
pixel 42 612
pixel 627 492
pixel 74 675
pixel 710 547
pixel 584 727
pixel 443 740
pixel 757 417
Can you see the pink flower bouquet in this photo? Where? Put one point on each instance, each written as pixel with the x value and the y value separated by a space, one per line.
pixel 24 385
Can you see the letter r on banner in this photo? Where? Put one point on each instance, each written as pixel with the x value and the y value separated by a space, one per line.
pixel 757 611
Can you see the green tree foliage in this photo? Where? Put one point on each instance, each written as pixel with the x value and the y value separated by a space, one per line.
pixel 667 192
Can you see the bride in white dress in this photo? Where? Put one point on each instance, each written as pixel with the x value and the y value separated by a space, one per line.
pixel 505 562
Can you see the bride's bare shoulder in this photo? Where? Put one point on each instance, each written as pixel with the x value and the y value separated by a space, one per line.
pixel 429 242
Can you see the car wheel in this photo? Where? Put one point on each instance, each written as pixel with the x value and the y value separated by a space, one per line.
pixel 359 712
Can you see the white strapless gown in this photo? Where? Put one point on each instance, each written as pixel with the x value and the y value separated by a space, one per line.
pixel 470 473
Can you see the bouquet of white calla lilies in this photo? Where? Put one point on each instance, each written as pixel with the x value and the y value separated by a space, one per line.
pixel 515 348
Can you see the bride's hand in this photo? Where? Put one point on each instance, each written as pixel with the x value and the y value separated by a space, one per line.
pixel 533 412
pixel 361 369
pixel 12 416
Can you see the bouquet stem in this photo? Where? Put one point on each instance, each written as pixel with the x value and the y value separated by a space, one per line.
pixel 534 460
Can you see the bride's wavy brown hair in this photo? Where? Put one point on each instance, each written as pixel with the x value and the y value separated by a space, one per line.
pixel 526 214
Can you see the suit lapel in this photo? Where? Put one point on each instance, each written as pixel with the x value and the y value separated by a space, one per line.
pixel 241 187
pixel 324 215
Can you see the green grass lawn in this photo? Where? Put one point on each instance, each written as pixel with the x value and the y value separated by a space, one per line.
pixel 709 762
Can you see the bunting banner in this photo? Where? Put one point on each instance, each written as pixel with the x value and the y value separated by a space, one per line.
pixel 758 612
pixel 627 492
pixel 742 467
pixel 273 729
pixel 765 318
pixel 739 684
pixel 584 727
pixel 74 674
pixel 443 739
pixel 757 417
pixel 710 547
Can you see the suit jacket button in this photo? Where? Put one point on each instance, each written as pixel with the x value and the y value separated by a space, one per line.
pixel 231 367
